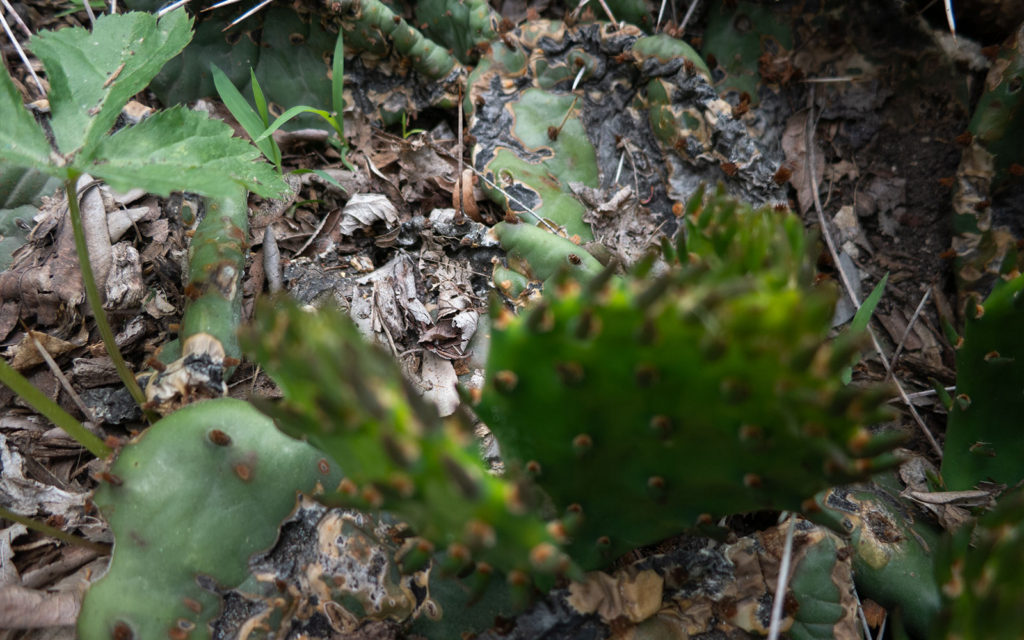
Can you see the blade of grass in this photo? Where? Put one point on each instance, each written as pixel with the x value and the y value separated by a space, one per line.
pixel 261 108
pixel 259 98
pixel 292 113
pixel 863 316
pixel 51 410
pixel 326 177
pixel 54 532
pixel 338 96
pixel 338 81
pixel 246 116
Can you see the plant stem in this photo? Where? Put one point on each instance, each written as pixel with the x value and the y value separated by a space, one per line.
pixel 46 406
pixel 53 532
pixel 92 294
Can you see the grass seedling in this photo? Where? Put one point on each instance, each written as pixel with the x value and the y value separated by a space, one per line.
pixel 333 118
pixel 256 121
pixel 862 317
pixel 406 132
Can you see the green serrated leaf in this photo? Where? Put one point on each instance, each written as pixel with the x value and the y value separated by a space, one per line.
pixel 12 235
pixel 21 186
pixel 93 74
pixel 22 142
pixel 182 150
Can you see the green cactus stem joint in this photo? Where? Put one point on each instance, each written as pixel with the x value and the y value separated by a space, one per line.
pixel 348 398
pixel 982 586
pixel 982 437
pixel 207 342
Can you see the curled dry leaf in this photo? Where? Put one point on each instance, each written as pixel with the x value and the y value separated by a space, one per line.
pixel 363 210
pixel 794 143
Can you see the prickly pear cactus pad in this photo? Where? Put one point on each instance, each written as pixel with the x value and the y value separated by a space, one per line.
pixel 643 405
pixel 983 433
pixel 990 180
pixel 349 399
pixel 893 550
pixel 982 584
pixel 465 27
pixel 646 98
pixel 189 502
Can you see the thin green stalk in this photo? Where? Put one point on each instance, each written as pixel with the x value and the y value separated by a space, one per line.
pixel 92 294
pixel 54 532
pixel 46 406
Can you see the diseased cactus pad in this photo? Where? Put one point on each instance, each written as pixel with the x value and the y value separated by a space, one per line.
pixel 644 403
pixel 647 98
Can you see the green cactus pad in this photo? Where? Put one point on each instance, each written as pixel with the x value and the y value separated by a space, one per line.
pixel 737 36
pixel 998 121
pixel 981 578
pixel 187 77
pixel 546 254
pixel 821 584
pixel 462 26
pixel 349 399
pixel 983 433
pixel 636 12
pixel 646 403
pixel 189 502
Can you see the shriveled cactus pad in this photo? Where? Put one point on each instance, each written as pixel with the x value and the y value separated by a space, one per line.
pixel 642 403
pixel 646 98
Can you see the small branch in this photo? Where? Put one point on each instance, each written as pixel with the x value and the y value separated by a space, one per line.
pixel 64 382
pixel 910 325
pixel 17 45
pixel 780 588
